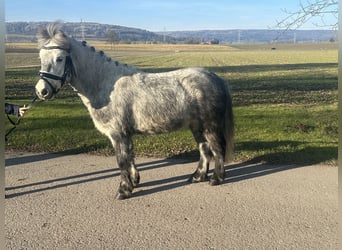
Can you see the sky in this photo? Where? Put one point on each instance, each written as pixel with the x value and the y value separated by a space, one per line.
pixel 157 15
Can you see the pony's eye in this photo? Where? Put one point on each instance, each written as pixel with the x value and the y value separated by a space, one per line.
pixel 59 59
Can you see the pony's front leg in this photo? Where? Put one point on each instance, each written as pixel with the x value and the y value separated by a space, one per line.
pixel 125 159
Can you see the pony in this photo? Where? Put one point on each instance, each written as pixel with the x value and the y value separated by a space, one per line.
pixel 123 100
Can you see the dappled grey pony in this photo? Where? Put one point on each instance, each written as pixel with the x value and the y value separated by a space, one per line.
pixel 123 100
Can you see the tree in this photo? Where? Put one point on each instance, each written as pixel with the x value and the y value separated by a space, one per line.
pixel 215 41
pixel 309 10
pixel 112 38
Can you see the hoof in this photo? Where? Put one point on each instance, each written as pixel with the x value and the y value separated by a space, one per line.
pixel 215 182
pixel 123 196
pixel 196 178
pixel 125 189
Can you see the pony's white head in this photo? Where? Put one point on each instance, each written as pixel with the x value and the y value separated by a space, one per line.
pixel 56 64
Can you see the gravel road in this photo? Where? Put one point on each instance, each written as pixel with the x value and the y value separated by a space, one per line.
pixel 56 201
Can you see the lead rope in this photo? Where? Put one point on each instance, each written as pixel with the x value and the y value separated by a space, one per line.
pixel 15 124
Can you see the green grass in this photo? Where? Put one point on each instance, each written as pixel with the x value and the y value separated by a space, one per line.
pixel 285 105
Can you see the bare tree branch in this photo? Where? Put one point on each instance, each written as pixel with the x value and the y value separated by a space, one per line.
pixel 308 10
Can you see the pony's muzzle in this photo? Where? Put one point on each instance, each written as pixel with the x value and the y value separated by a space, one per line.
pixel 43 90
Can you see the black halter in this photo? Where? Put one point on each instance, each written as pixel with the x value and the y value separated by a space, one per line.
pixel 68 70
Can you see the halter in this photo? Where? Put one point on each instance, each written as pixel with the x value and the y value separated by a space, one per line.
pixel 68 70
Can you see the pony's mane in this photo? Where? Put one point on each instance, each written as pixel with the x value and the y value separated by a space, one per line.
pixel 52 33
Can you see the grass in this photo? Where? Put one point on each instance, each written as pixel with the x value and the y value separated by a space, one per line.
pixel 285 103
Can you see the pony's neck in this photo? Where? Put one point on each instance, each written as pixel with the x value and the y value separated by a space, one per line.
pixel 96 74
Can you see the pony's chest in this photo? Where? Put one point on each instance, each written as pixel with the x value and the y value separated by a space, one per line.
pixel 102 119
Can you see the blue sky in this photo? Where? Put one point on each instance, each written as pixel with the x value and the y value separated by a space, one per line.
pixel 157 15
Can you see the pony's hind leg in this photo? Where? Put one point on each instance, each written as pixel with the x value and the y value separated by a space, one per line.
pixel 217 146
pixel 201 173
pixel 219 173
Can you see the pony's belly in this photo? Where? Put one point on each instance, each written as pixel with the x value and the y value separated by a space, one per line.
pixel 155 126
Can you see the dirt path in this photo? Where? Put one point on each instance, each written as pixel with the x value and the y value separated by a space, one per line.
pixel 67 202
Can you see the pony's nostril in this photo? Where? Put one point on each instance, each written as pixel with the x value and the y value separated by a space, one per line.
pixel 44 92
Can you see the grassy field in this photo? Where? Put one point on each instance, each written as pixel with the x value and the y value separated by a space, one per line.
pixel 285 102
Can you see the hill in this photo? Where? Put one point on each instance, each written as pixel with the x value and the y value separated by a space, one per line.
pixel 26 32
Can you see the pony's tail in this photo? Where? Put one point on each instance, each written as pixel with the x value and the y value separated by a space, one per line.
pixel 229 128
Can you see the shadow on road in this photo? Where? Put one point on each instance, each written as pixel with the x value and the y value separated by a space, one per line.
pixel 75 179
pixel 30 159
pixel 235 172
pixel 45 156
